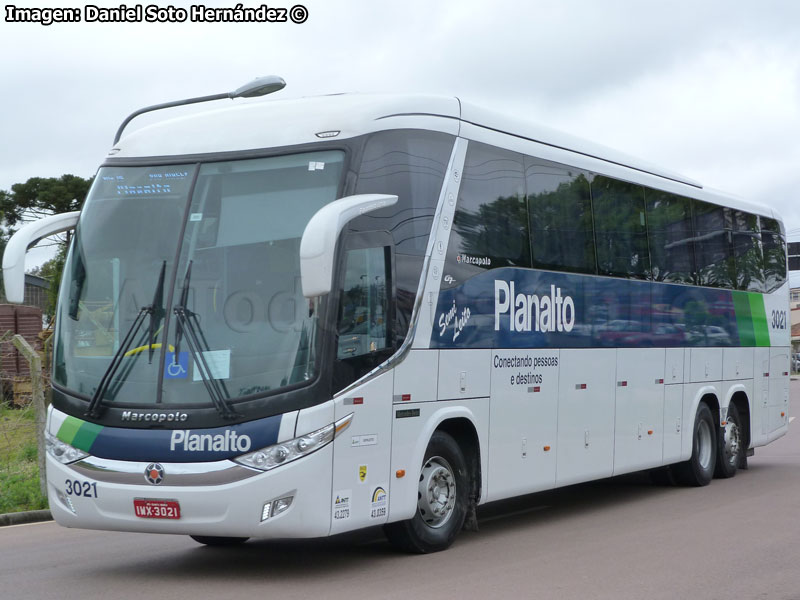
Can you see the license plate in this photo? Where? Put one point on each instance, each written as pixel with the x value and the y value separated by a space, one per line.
pixel 147 508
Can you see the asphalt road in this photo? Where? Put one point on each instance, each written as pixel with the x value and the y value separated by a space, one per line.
pixel 619 538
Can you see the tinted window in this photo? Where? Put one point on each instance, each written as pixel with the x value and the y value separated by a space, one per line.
pixel 412 165
pixel 560 210
pixel 747 252
pixel 620 229
pixel 713 252
pixel 363 308
pixel 490 226
pixel 669 228
pixel 774 254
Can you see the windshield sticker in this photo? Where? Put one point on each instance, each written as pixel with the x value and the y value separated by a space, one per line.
pixel 219 365
pixel 176 369
pixel 196 217
pixel 341 505
pixel 316 166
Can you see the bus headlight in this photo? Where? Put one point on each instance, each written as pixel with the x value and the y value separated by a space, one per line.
pixel 276 455
pixel 62 452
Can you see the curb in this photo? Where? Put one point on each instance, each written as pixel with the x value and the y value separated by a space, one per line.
pixel 31 516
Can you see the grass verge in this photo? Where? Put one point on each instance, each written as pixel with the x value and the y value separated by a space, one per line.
pixel 19 471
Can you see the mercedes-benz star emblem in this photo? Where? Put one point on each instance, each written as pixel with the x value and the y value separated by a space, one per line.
pixel 154 473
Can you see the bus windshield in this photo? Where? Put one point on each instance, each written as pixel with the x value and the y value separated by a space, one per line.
pixel 231 314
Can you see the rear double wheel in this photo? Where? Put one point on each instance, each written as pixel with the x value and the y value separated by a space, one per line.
pixel 442 498
pixel 699 469
pixel 731 447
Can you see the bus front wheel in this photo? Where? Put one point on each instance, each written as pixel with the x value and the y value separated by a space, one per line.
pixel 442 498
pixel 699 469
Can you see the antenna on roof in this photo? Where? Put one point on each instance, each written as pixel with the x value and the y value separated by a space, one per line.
pixel 260 86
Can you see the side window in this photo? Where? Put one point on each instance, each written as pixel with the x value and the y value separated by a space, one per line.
pixel 620 228
pixel 747 252
pixel 774 247
pixel 364 304
pixel 560 212
pixel 713 252
pixel 669 231
pixel 490 226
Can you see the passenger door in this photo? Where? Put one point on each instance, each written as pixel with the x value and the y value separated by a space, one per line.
pixel 361 460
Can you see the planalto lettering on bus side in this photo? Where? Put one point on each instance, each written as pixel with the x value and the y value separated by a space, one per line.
pixel 530 312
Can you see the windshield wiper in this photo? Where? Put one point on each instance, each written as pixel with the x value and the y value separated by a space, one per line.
pixel 198 346
pixel 156 312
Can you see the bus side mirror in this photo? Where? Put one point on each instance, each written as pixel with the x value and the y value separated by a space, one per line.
pixel 318 244
pixel 27 236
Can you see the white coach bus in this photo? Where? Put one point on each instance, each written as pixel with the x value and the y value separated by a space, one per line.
pixel 299 318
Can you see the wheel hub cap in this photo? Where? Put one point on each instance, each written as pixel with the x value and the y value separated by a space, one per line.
pixel 437 492
pixel 732 441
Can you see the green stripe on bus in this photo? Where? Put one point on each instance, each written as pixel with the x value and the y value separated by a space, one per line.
pixel 744 319
pixel 86 435
pixel 69 428
pixel 759 319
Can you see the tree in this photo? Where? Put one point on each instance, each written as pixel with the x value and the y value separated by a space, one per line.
pixel 37 198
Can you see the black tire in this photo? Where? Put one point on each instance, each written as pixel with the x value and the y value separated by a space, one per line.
pixel 444 467
pixel 699 469
pixel 214 540
pixel 730 447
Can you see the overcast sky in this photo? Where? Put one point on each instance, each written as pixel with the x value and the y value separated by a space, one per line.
pixel 706 88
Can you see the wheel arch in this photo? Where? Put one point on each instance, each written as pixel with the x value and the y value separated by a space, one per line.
pixel 458 421
pixel 737 396
pixel 463 431
pixel 708 394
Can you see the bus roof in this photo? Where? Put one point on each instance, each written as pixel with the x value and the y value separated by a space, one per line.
pixel 257 124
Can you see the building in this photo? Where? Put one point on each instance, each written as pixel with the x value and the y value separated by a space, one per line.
pixel 794 318
pixel 25 320
pixel 35 292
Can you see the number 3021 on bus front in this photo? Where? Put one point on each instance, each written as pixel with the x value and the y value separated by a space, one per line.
pixel 779 319
pixel 75 487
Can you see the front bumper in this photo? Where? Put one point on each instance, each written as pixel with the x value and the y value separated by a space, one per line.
pixel 216 498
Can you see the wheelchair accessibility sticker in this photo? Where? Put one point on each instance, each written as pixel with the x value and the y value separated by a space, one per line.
pixel 176 369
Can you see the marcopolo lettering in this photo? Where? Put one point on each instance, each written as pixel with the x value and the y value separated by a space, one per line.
pixel 173 417
pixel 230 441
pixel 529 312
